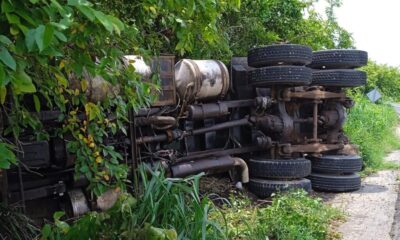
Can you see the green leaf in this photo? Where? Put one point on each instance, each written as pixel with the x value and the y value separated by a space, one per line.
pixel 43 36
pixel 7 156
pixel 118 25
pixel 92 110
pixel 46 231
pixel 37 103
pixel 39 36
pixel 58 215
pixel 2 75
pixel 30 39
pixel 7 59
pixel 12 18
pixel 26 15
pixel 48 35
pixel 6 6
pixel 5 40
pixel 22 83
pixel 79 3
pixel 3 94
pixel 60 36
pixel 104 20
pixel 87 11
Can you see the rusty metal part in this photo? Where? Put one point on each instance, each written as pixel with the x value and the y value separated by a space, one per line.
pixel 210 165
pixel 349 149
pixel 316 94
pixel 77 203
pixel 308 148
pixel 315 122
pixel 288 124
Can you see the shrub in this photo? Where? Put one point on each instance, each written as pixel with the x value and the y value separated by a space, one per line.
pixel 293 215
pixel 385 78
pixel 371 126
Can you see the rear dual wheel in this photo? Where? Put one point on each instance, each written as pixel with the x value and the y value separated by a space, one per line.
pixel 335 68
pixel 280 65
pixel 335 173
pixel 278 175
pixel 284 54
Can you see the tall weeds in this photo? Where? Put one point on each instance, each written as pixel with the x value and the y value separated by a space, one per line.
pixel 166 209
pixel 372 127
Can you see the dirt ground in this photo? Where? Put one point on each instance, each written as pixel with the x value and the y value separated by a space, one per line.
pixel 373 212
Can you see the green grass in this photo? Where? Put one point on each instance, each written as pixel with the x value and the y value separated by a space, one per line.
pixel 170 209
pixel 372 127
pixel 290 216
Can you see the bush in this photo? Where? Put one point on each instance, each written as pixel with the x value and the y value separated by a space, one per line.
pixel 385 78
pixel 371 126
pixel 290 216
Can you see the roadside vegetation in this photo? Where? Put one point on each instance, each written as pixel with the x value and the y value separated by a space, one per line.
pixel 372 125
pixel 290 216
pixel 170 209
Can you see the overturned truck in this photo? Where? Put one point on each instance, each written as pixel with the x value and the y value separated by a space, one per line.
pixel 272 119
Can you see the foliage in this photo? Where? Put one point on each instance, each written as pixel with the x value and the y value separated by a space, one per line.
pixel 264 22
pixel 371 126
pixel 385 78
pixel 15 225
pixel 293 215
pixel 172 204
pixel 43 45
pixel 176 26
pixel 7 156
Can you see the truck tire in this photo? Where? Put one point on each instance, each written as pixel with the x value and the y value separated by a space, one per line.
pixel 335 183
pixel 264 188
pixel 336 164
pixel 339 78
pixel 339 59
pixel 279 168
pixel 286 54
pixel 280 75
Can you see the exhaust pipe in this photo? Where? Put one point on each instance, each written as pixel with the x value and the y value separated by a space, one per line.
pixel 210 165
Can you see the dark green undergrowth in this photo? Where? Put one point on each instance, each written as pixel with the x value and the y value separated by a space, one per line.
pixel 372 127
pixel 290 216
